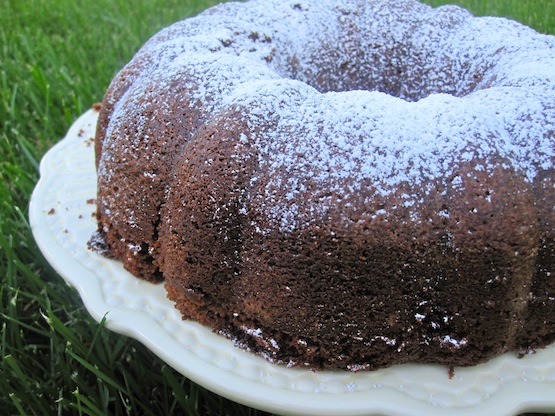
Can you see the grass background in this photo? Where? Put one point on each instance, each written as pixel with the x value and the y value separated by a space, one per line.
pixel 56 59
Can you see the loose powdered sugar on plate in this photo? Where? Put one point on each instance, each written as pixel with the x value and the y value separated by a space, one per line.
pixel 61 218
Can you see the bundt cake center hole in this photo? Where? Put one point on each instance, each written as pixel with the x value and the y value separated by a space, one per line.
pixel 410 84
pixel 399 69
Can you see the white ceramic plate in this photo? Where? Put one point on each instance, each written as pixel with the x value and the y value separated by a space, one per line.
pixel 61 218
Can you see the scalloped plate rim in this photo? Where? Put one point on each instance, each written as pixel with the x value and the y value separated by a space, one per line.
pixel 515 396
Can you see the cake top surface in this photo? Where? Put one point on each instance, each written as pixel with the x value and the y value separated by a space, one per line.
pixel 357 92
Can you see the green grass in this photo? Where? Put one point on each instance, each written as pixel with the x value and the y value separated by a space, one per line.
pixel 538 14
pixel 56 60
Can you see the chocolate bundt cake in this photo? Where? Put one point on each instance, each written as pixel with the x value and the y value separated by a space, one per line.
pixel 340 183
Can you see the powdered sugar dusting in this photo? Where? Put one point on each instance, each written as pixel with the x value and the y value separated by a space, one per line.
pixel 358 92
pixel 454 343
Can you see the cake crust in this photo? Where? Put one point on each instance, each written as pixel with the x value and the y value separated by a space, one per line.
pixel 340 184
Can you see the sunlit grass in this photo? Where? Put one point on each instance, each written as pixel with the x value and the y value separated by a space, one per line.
pixel 538 14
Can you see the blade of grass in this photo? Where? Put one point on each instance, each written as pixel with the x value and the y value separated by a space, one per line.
pixel 90 408
pixel 17 404
pixel 101 375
